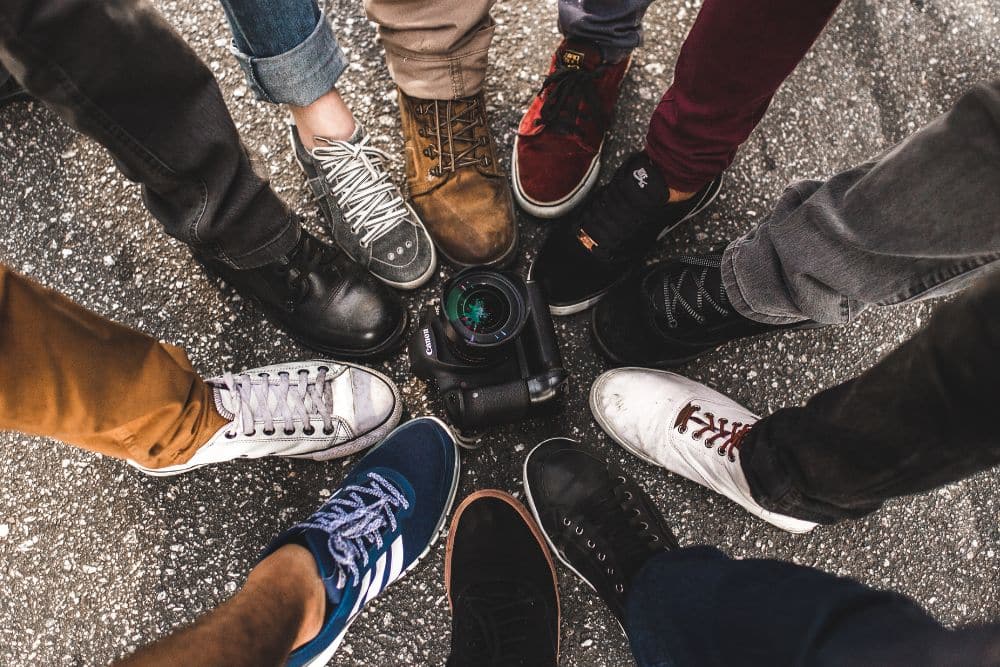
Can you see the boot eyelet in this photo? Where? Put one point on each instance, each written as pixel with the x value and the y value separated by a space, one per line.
pixel 628 495
pixel 579 530
pixel 602 557
pixel 590 544
pixel 309 430
pixel 645 526
pixel 619 588
pixel 567 522
pixel 656 538
pixel 621 479
pixel 636 512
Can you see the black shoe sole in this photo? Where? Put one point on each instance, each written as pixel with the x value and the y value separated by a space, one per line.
pixel 674 362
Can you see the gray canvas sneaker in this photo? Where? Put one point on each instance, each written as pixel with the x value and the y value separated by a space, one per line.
pixel 366 214
pixel 318 409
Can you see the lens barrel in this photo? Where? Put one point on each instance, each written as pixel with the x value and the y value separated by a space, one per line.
pixel 484 310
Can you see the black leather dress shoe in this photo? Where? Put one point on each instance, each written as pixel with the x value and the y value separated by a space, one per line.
pixel 321 299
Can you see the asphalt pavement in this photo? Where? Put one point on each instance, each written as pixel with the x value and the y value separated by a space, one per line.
pixel 96 559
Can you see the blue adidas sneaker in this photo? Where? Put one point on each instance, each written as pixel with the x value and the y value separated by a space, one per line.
pixel 387 514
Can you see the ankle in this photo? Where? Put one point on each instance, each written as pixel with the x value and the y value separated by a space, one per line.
pixel 290 573
pixel 327 117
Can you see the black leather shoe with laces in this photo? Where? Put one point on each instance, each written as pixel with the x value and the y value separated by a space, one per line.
pixel 605 239
pixel 323 300
pixel 671 313
pixel 501 585
pixel 597 520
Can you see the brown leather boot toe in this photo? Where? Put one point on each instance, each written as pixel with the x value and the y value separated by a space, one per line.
pixel 456 185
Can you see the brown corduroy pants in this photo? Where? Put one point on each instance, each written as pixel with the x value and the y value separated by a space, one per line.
pixel 69 374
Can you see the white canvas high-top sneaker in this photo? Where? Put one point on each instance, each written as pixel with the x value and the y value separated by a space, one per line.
pixel 685 427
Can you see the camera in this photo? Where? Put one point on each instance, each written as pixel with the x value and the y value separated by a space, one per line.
pixel 491 349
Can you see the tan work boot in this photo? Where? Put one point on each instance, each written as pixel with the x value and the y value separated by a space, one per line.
pixel 455 182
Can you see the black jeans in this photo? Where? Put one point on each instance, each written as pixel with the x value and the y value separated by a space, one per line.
pixel 115 71
pixel 697 607
pixel 925 415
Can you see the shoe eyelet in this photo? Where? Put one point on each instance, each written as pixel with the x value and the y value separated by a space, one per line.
pixel 628 495
pixel 579 530
pixel 710 415
pixel 602 557
pixel 732 459
pixel 230 436
pixel 682 429
pixel 252 433
pixel 323 369
pixel 328 431
pixel 619 588
pixel 696 436
pixel 309 430
pixel 567 522
pixel 709 445
pixel 645 526
pixel 636 512
pixel 610 571
pixel 722 451
pixel 656 538
pixel 621 478
pixel 289 431
pixel 590 544
pixel 268 432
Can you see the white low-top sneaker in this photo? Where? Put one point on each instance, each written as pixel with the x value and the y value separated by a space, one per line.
pixel 685 427
pixel 317 409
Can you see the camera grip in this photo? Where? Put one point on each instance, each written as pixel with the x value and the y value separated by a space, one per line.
pixel 486 406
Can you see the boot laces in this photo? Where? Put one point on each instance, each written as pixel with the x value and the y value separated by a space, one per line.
pixel 713 430
pixel 260 403
pixel 687 292
pixel 450 125
pixel 359 182
pixel 311 256
pixel 572 96
pixel 355 520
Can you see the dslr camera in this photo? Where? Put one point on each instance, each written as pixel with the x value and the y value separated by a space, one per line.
pixel 491 350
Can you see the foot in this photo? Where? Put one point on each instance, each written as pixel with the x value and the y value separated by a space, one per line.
pixel 382 520
pixel 322 300
pixel 685 427
pixel 557 151
pixel 672 312
pixel 455 182
pixel 597 520
pixel 364 210
pixel 594 249
pixel 11 91
pixel 316 409
pixel 501 585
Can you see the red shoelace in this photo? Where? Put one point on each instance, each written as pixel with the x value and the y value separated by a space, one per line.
pixel 705 424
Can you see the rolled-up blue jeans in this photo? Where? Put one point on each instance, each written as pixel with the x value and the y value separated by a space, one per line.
pixel 695 606
pixel 286 49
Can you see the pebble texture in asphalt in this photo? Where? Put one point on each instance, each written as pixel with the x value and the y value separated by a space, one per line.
pixel 96 559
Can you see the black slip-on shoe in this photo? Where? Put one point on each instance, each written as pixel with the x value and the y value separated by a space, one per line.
pixel 502 586
pixel 597 520
pixel 671 313
pixel 599 244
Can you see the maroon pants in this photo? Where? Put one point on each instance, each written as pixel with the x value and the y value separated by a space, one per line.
pixel 737 54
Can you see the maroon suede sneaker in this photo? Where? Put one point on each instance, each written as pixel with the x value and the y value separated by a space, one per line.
pixel 557 151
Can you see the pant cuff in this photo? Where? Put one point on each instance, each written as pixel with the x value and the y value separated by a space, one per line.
pixel 279 245
pixel 734 290
pixel 442 78
pixel 299 76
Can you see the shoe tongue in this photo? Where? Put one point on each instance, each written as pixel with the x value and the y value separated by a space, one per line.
pixel 580 55
pixel 633 197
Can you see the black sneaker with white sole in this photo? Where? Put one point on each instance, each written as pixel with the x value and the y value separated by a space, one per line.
pixel 364 210
pixel 671 313
pixel 599 244
pixel 597 520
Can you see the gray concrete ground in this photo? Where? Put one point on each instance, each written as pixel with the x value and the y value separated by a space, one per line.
pixel 96 559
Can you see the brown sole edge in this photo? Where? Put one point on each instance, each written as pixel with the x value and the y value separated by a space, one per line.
pixel 536 532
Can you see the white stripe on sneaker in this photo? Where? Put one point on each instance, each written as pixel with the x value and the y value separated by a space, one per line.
pixel 361 592
pixel 395 560
pixel 377 583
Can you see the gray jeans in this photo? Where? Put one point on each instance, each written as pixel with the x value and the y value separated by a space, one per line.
pixel 921 220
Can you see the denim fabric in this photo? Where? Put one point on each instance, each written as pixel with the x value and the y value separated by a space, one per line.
pixel 147 98
pixel 918 419
pixel 918 221
pixel 286 49
pixel 695 606
pixel 614 25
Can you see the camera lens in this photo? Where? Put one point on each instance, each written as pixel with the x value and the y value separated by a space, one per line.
pixel 484 309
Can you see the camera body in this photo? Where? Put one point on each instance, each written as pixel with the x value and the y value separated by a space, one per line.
pixel 490 348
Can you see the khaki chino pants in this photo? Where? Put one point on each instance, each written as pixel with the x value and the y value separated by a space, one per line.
pixel 69 374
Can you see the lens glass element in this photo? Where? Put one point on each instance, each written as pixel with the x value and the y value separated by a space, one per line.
pixel 484 309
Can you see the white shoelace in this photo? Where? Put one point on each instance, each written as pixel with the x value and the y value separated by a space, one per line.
pixel 305 401
pixel 370 202
pixel 353 523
